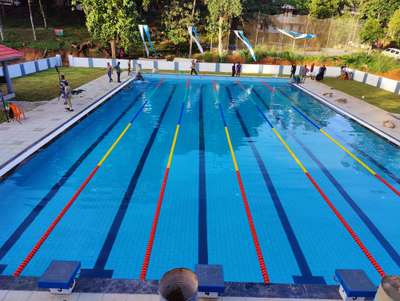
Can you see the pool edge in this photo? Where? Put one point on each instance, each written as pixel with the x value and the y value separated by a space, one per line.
pixel 340 111
pixel 232 289
pixel 25 154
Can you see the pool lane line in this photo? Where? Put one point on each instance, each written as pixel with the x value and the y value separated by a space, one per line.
pixel 306 275
pixel 54 223
pixel 352 233
pixel 253 231
pixel 355 147
pixel 29 219
pixel 202 219
pixel 335 141
pixel 98 271
pixel 361 214
pixel 149 247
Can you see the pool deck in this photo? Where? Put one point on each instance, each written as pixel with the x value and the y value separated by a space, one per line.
pixel 365 113
pixel 45 120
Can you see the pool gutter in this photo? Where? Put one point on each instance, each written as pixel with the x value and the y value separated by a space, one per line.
pixel 150 287
pixel 364 123
pixel 25 154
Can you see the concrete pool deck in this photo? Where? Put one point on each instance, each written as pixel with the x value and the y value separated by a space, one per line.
pixel 365 113
pixel 44 118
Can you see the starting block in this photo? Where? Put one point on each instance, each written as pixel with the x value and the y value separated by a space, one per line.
pixel 355 285
pixel 60 277
pixel 211 281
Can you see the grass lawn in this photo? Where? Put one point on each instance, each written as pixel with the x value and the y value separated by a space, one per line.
pixel 44 85
pixel 383 99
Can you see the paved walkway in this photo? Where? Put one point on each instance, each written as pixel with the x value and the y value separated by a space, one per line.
pixel 364 111
pixel 45 296
pixel 42 118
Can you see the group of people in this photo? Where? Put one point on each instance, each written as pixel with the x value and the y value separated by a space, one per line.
pixel 117 70
pixel 236 69
pixel 345 73
pixel 304 72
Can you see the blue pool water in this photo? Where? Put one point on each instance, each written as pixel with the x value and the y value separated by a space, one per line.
pixel 203 218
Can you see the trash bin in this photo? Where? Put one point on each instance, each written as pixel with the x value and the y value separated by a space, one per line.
pixel 178 285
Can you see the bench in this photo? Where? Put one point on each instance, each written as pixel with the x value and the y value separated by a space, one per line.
pixel 60 276
pixel 355 285
pixel 211 280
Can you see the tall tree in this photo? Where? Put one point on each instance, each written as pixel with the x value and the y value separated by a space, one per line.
pixel 394 27
pixel 382 10
pixel 43 13
pixel 221 11
pixel 371 32
pixel 177 16
pixel 323 8
pixel 111 21
pixel 31 17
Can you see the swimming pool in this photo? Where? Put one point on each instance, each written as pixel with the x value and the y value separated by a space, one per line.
pixel 179 171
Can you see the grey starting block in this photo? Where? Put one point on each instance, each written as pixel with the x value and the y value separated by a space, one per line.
pixel 211 280
pixel 355 285
pixel 60 276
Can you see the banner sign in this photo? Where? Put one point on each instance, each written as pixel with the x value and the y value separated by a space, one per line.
pixel 145 34
pixel 240 35
pixel 196 37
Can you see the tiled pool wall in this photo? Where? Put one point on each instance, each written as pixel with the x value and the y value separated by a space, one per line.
pixel 232 289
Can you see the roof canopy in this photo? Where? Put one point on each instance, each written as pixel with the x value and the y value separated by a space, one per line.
pixel 297 35
pixel 8 54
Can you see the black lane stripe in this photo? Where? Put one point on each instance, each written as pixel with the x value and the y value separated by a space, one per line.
pixel 361 214
pixel 355 147
pixel 202 240
pixel 123 207
pixel 10 242
pixel 306 274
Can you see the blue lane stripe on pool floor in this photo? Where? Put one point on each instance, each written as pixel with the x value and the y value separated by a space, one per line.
pixel 306 274
pixel 363 153
pixel 98 270
pixel 203 240
pixel 365 219
pixel 10 242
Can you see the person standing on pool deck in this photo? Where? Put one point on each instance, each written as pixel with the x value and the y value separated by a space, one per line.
pixel 293 70
pixel 233 69
pixel 118 70
pixel 68 97
pixel 193 68
pixel 238 69
pixel 109 72
pixel 62 83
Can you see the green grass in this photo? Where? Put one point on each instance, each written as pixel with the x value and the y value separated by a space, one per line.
pixel 46 39
pixel 383 99
pixel 44 85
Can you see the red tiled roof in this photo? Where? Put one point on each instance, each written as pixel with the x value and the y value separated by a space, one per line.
pixel 8 54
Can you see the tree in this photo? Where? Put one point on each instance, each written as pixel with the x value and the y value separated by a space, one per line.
pixel 31 17
pixel 43 14
pixel 220 11
pixel 394 27
pixel 323 8
pixel 111 21
pixel 381 10
pixel 371 31
pixel 176 18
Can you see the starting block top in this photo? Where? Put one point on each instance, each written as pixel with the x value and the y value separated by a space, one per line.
pixel 356 283
pixel 211 278
pixel 60 274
